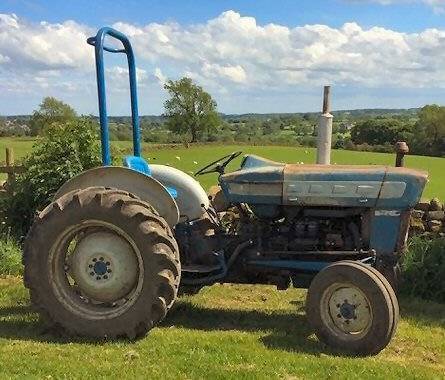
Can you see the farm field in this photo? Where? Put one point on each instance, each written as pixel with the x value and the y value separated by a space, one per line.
pixel 224 332
pixel 185 158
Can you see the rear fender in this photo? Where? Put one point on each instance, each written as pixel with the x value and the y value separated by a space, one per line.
pixel 146 188
pixel 191 198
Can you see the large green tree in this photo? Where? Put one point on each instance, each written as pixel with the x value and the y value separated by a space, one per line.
pixel 190 109
pixel 430 130
pixel 50 111
pixel 380 131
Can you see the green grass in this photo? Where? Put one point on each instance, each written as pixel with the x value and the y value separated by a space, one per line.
pixel 21 146
pixel 10 257
pixel 203 154
pixel 226 331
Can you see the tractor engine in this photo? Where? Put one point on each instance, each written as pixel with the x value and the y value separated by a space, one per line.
pixel 314 230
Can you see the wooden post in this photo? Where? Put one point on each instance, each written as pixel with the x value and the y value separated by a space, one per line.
pixel 10 163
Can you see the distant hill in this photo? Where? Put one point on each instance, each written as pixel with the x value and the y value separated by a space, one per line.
pixel 368 112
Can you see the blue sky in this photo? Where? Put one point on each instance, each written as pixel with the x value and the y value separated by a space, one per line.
pixel 252 56
pixel 402 15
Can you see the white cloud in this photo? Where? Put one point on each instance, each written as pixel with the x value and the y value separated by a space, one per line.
pixel 44 45
pixel 120 73
pixel 4 59
pixel 235 49
pixel 230 54
pixel 160 76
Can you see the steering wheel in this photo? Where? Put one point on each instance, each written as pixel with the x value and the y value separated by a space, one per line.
pixel 218 166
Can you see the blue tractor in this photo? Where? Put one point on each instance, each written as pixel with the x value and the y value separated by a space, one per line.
pixel 109 255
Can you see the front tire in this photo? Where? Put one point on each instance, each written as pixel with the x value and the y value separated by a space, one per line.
pixel 351 308
pixel 101 263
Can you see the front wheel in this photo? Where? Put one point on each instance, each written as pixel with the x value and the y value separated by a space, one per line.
pixel 101 263
pixel 351 308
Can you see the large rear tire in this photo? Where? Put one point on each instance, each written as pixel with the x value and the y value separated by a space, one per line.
pixel 101 263
pixel 351 308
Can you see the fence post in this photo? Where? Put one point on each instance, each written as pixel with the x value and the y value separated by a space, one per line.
pixel 10 163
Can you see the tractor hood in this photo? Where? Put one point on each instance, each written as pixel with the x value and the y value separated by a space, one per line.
pixel 261 181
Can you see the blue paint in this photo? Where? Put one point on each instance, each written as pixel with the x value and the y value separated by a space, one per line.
pixel 98 43
pixel 415 183
pixel 305 266
pixel 384 233
pixel 138 164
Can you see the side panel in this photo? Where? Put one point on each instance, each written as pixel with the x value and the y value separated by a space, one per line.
pixel 262 185
pixel 331 185
pixel 414 181
pixel 147 188
pixel 385 227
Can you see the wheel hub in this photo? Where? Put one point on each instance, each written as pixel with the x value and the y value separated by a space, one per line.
pixel 349 309
pixel 104 266
pixel 100 268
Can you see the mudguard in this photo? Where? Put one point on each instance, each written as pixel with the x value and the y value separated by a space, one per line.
pixel 146 188
pixel 191 198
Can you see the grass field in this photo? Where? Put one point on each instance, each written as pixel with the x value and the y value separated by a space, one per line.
pixel 235 332
pixel 183 158
pixel 225 332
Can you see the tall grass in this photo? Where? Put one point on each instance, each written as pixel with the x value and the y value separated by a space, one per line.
pixel 423 269
pixel 10 257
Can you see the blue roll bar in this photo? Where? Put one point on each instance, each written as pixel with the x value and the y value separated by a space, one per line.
pixel 99 47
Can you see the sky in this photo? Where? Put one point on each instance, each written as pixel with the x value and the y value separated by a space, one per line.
pixel 250 55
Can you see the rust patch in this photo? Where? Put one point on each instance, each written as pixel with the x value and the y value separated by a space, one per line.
pixel 316 168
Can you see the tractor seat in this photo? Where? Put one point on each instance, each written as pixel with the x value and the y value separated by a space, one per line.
pixel 140 165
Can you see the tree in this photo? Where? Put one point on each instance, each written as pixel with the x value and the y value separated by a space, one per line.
pixel 380 131
pixel 190 109
pixel 65 150
pixel 50 111
pixel 430 130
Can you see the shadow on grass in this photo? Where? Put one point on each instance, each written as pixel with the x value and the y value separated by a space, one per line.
pixel 21 322
pixel 287 331
pixel 427 313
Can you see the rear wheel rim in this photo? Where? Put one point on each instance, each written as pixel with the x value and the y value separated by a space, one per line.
pixel 78 252
pixel 346 311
